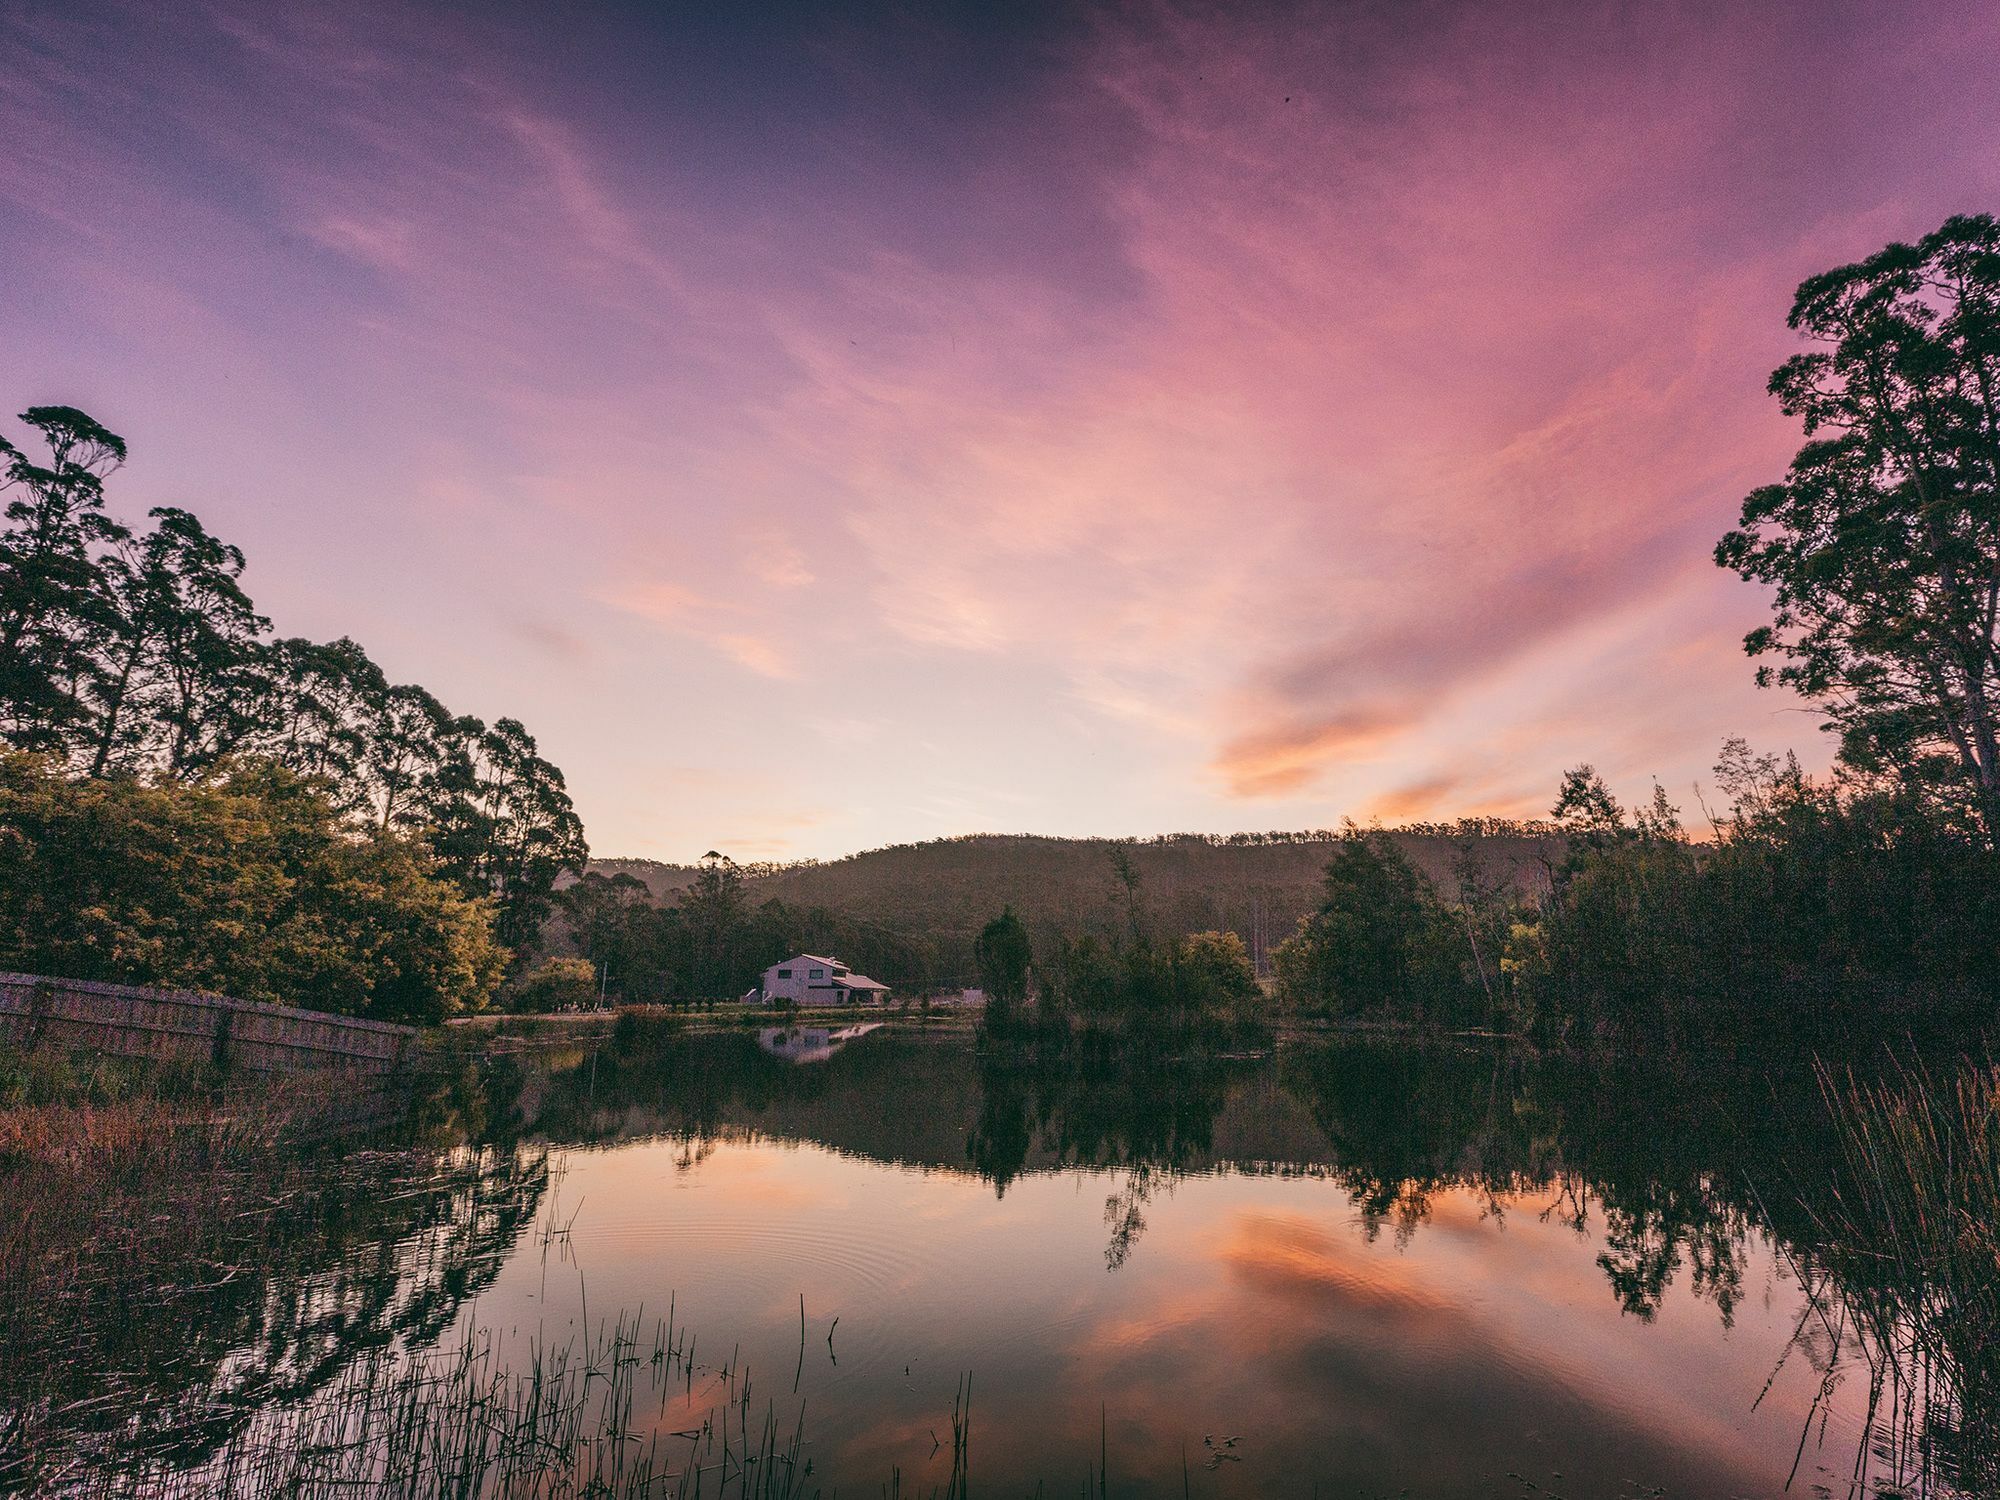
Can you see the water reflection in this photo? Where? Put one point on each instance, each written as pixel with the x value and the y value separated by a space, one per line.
pixel 1676 1178
pixel 811 1044
pixel 1375 1267
pixel 145 1358
pixel 1704 1189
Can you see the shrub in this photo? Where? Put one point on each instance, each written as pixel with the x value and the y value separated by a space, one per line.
pixel 249 884
pixel 557 984
pixel 1383 942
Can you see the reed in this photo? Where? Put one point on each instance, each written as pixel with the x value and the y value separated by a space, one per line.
pixel 182 1248
pixel 1911 1235
pixel 616 1414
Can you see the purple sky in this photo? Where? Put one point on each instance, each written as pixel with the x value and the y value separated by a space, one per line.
pixel 829 426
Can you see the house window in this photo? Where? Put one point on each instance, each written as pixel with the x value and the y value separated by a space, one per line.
pixel 784 973
pixel 817 974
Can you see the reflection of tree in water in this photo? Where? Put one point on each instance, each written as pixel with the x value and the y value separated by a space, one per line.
pixel 1123 1216
pixel 320 1256
pixel 1668 1175
pixel 1675 1170
pixel 1684 1168
pixel 1153 1121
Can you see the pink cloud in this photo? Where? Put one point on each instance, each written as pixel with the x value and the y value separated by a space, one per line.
pixel 1353 442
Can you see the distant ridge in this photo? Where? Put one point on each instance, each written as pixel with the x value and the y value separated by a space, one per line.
pixel 1256 885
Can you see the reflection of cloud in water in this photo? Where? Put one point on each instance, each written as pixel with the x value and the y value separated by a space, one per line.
pixel 1332 1356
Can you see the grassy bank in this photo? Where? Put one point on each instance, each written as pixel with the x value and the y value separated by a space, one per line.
pixel 161 1225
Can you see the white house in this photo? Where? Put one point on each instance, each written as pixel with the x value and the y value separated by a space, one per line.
pixel 809 979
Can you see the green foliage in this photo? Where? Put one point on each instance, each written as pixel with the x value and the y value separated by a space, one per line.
pixel 1216 966
pixel 141 655
pixel 1004 955
pixel 1375 914
pixel 1828 915
pixel 1384 943
pixel 557 984
pixel 1823 913
pixel 911 914
pixel 712 943
pixel 713 915
pixel 1587 813
pixel 248 884
pixel 1196 992
pixel 55 608
pixel 1882 543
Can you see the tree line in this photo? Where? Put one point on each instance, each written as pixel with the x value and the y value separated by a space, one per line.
pixel 137 653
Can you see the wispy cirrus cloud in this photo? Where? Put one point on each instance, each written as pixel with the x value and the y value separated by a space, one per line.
pixel 724 626
pixel 1328 410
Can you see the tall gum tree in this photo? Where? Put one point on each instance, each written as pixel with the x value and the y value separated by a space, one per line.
pixel 54 607
pixel 1882 543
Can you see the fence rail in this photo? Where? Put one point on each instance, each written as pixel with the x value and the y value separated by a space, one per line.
pixel 132 1021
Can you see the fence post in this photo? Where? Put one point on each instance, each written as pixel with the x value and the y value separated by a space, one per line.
pixel 224 1024
pixel 40 993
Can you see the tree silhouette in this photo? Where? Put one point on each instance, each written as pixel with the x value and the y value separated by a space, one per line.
pixel 1882 543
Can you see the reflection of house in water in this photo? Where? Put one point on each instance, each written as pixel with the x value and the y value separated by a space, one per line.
pixel 809 979
pixel 808 1044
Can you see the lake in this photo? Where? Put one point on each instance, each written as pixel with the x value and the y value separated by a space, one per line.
pixel 1347 1270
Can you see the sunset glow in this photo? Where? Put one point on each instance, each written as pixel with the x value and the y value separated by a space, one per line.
pixel 825 430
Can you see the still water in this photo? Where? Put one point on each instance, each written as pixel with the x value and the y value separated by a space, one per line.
pixel 1347 1270
pixel 1320 1274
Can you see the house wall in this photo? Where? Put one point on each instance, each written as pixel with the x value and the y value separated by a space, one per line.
pixel 801 988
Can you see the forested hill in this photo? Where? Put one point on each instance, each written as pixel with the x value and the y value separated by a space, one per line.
pixel 1256 885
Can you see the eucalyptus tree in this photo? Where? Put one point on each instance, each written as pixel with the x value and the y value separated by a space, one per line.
pixel 55 611
pixel 1882 543
pixel 1589 816
pixel 314 715
pixel 1005 956
pixel 144 656
pixel 715 908
pixel 413 745
pixel 183 670
pixel 613 920
pixel 503 825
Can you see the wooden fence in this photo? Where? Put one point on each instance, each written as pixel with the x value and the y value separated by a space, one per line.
pixel 129 1021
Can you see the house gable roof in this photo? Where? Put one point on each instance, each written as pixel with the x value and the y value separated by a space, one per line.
pixel 808 958
pixel 840 977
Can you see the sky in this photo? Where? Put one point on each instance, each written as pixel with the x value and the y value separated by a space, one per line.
pixel 827 426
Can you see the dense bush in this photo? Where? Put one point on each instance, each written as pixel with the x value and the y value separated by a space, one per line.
pixel 249 884
pixel 1385 943
pixel 712 943
pixel 1844 911
pixel 557 984
pixel 1831 914
pixel 1198 991
pixel 137 653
